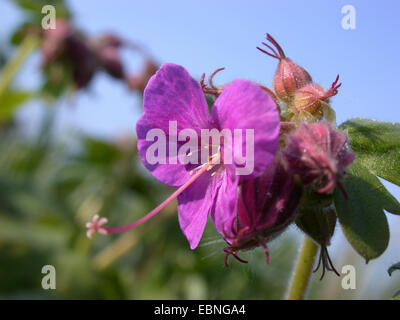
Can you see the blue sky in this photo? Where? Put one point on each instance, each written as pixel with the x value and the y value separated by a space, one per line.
pixel 205 35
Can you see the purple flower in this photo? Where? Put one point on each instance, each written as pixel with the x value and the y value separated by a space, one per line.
pixel 211 186
pixel 173 95
pixel 319 155
pixel 267 205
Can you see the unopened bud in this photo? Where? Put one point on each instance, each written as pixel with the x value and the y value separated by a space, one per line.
pixel 313 97
pixel 288 76
pixel 267 205
pixel 319 154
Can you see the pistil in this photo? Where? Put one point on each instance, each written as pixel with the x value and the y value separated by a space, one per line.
pixel 93 227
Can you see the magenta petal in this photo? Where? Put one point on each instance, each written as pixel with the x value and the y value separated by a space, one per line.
pixel 194 205
pixel 223 211
pixel 171 95
pixel 244 105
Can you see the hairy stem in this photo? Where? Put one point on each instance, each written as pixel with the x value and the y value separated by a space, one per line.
pixel 302 273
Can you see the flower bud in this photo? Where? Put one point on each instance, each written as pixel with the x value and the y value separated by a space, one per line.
pixel 319 155
pixel 288 76
pixel 312 98
pixel 266 206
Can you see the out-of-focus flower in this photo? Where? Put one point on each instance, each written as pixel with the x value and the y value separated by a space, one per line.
pixel 267 205
pixel 84 56
pixel 65 45
pixel 319 155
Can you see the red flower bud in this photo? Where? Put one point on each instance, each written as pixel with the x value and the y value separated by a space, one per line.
pixel 319 155
pixel 266 206
pixel 288 76
pixel 312 97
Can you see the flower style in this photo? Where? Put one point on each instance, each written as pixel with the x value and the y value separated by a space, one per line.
pixel 96 226
pixel 173 95
pixel 319 155
pixel 267 205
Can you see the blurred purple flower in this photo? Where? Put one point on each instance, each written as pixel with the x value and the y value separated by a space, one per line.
pixel 66 45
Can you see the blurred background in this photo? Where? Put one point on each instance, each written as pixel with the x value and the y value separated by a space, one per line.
pixel 68 150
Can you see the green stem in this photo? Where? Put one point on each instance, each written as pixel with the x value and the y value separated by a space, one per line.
pixel 15 63
pixel 302 273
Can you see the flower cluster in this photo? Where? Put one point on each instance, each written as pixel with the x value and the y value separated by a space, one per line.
pixel 295 146
pixel 306 101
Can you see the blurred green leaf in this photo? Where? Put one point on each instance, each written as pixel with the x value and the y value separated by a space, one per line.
pixel 396 296
pixel 100 152
pixel 3 59
pixel 361 215
pixel 13 65
pixel 10 101
pixel 57 79
pixel 394 267
pixel 38 236
pixel 35 7
pixel 377 146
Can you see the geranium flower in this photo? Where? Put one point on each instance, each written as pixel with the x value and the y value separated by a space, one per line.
pixel 172 95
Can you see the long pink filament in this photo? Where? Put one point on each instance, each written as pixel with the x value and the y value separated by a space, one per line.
pixel 162 205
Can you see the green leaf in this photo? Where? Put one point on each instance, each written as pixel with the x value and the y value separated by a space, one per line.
pixel 10 101
pixel 394 267
pixel 396 296
pixel 377 146
pixel 35 7
pixel 361 215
